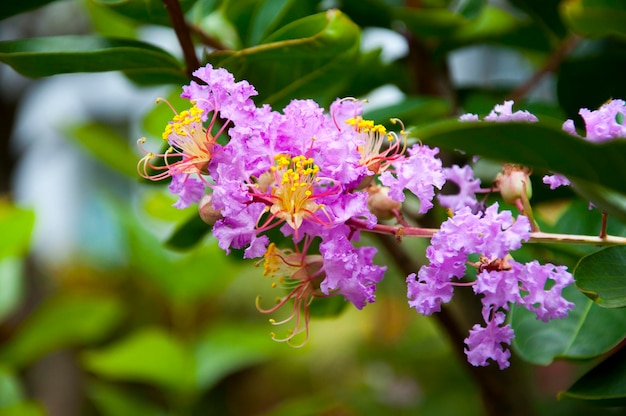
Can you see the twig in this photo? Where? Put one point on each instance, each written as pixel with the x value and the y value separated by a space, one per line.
pixel 183 35
pixel 535 237
pixel 558 55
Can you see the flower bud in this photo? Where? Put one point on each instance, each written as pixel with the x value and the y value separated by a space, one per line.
pixel 205 208
pixel 380 204
pixel 513 182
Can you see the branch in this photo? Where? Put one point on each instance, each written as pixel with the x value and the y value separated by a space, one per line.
pixel 183 35
pixel 558 55
pixel 535 237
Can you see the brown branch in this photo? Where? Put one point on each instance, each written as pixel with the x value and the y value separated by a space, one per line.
pixel 183 35
pixel 206 39
pixel 554 61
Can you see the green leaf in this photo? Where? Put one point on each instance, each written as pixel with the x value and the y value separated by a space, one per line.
pixel 542 145
pixel 272 14
pixel 114 401
pixel 295 60
pixel 429 22
pixel 149 355
pixel 106 145
pixel 411 110
pixel 12 8
pixel 595 18
pixel 41 57
pixel 545 13
pixel 11 275
pixel 16 225
pixel 490 24
pixel 613 203
pixel 189 233
pixel 228 347
pixel 587 332
pixel 145 11
pixel 63 321
pixel 604 385
pixel 602 277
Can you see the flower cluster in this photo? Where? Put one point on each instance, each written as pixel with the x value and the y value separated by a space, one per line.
pixel 301 170
pixel 501 281
pixel 321 178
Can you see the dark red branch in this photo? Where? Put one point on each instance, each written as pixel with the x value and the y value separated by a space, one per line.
pixel 183 35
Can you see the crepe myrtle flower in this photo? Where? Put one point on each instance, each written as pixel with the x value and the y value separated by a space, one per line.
pixel 339 269
pixel 601 125
pixel 503 113
pixel 500 280
pixel 221 102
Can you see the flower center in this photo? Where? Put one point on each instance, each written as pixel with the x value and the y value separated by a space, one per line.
pixel 188 137
pixel 293 189
pixel 377 147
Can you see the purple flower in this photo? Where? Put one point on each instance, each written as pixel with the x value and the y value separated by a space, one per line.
pixel 499 288
pixel 420 173
pixel 349 270
pixel 605 123
pixel 503 113
pixel 555 181
pixel 468 186
pixel 189 190
pixel 485 343
pixel 542 297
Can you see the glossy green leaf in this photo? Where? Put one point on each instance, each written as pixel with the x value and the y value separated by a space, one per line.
pixel 106 145
pixel 226 348
pixel 149 355
pixel 491 23
pixel 430 22
pixel 470 8
pixel 16 225
pixel 11 282
pixel 543 146
pixel 602 277
pixel 595 18
pixel 295 60
pixel 63 321
pixel 41 57
pixel 604 385
pixel 12 8
pixel 115 401
pixel 609 201
pixel 587 332
pixel 189 233
pixel 272 14
pixel 411 110
pixel 107 23
pixel 545 13
pixel 146 11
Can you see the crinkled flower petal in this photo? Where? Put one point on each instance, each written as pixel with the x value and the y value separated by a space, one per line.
pixel 544 297
pixel 468 185
pixel 350 270
pixel 420 173
pixel 485 343
pixel 189 190
pixel 555 181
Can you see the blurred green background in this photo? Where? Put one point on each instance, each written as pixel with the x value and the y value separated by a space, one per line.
pixel 112 302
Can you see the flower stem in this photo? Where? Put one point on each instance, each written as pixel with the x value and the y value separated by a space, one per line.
pixel 183 35
pixel 535 237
